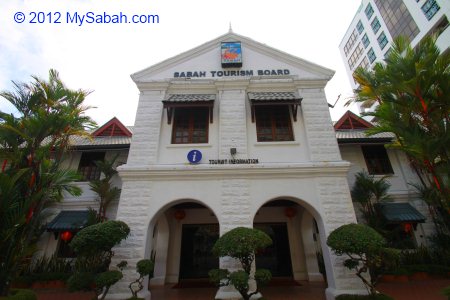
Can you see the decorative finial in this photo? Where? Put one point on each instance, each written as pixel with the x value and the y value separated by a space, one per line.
pixel 230 29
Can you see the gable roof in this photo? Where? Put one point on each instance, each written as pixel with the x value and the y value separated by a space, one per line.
pixel 322 72
pixel 112 128
pixel 351 121
pixel 351 129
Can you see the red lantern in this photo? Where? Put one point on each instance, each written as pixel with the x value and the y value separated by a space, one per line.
pixel 179 214
pixel 407 227
pixel 66 236
pixel 290 212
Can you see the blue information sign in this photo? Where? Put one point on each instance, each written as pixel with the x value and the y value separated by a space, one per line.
pixel 194 156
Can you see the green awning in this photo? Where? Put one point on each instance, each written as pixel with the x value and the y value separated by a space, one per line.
pixel 400 213
pixel 72 220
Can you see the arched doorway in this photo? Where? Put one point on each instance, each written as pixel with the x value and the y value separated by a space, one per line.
pixel 296 250
pixel 183 236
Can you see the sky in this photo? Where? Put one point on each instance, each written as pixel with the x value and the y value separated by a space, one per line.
pixel 101 57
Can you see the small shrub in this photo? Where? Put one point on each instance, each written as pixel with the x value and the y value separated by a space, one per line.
pixel 80 282
pixel 365 249
pixel 217 275
pixel 99 237
pixel 263 276
pixel 144 267
pixel 21 294
pixel 47 269
pixel 105 280
pixel 446 292
pixel 241 243
pixel 419 256
pixel 239 280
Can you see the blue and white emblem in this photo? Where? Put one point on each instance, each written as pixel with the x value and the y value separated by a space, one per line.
pixel 194 156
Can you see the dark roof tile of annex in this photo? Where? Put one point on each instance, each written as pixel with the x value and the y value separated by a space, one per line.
pixel 190 97
pixel 266 96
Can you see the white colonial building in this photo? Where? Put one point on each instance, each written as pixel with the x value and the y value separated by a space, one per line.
pixel 234 133
pixel 229 134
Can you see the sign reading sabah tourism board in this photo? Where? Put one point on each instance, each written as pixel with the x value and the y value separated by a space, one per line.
pixel 231 73
pixel 231 54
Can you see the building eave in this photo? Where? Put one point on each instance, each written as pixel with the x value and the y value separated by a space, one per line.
pixel 207 172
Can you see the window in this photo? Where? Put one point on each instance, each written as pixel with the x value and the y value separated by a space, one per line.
pixel 388 52
pixel 190 125
pixel 375 25
pixel 369 11
pixel 87 167
pixel 360 26
pixel 365 40
pixel 382 40
pixel 351 41
pixel 359 50
pixel 397 18
pixel 377 160
pixel 364 63
pixel 273 123
pixel 371 55
pixel 430 8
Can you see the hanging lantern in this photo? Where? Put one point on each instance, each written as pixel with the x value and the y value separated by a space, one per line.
pixel 179 214
pixel 66 236
pixel 407 227
pixel 290 212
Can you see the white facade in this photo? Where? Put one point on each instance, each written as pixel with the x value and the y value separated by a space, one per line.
pixel 422 14
pixel 307 171
pixel 292 185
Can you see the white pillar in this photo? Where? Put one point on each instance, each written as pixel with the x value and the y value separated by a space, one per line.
pixel 161 250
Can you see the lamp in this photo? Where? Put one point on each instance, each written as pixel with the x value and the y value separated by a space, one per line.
pixel 290 212
pixel 179 214
pixel 66 236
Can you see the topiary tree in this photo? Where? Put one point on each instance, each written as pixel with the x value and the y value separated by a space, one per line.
pixel 365 249
pixel 241 243
pixel 94 244
pixel 96 241
pixel 144 267
pixel 105 280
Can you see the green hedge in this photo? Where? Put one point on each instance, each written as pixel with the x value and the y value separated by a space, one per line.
pixel 20 294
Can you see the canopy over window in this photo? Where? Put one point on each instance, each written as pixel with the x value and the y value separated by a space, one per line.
pixel 275 98
pixel 400 213
pixel 68 220
pixel 189 100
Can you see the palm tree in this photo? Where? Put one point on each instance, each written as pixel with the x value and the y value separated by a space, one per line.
pixel 367 191
pixel 103 187
pixel 32 144
pixel 412 88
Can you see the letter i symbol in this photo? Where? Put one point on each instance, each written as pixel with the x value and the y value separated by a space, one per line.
pixel 194 156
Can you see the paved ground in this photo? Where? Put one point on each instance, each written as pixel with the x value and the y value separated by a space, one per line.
pixel 413 290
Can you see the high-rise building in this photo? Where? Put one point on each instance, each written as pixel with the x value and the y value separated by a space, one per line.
pixel 378 22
